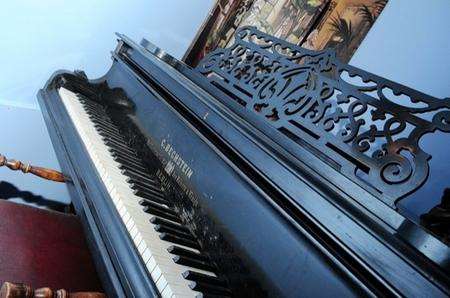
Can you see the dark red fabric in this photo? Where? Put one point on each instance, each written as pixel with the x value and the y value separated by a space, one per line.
pixel 44 249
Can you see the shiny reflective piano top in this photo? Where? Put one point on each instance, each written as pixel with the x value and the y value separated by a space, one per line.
pixel 264 171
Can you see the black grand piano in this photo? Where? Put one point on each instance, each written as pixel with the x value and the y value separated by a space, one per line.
pixel 267 170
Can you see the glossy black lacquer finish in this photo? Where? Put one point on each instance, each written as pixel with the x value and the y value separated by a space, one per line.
pixel 259 205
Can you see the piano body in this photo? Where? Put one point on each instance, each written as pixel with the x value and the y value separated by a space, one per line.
pixel 239 178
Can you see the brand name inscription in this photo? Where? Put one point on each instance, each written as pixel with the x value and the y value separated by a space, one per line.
pixel 175 160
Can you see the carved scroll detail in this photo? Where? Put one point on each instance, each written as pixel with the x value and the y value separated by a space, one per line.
pixel 368 126
pixel 19 290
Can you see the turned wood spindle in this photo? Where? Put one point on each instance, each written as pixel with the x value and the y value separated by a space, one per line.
pixel 16 165
pixel 19 290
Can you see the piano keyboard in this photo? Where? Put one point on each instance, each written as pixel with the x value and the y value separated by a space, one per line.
pixel 169 251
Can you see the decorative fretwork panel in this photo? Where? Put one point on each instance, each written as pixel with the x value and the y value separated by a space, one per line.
pixel 365 126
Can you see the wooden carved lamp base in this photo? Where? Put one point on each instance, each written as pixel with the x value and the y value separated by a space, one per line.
pixel 16 290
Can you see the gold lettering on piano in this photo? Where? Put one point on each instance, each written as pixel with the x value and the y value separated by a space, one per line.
pixel 176 160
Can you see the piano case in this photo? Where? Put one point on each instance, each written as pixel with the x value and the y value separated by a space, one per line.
pixel 264 198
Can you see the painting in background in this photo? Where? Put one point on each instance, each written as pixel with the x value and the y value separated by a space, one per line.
pixel 314 24
pixel 225 17
pixel 229 21
pixel 290 20
pixel 344 25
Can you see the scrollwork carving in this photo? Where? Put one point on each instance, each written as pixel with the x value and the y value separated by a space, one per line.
pixel 372 126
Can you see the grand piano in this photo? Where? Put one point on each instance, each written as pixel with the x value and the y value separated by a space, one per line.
pixel 267 170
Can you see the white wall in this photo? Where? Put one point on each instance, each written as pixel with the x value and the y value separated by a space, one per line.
pixel 24 137
pixel 40 37
pixel 410 44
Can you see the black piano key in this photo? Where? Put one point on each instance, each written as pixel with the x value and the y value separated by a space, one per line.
pixel 207 279
pixel 160 221
pixel 152 181
pixel 93 107
pixel 144 173
pixel 119 147
pixel 122 149
pixel 133 166
pixel 209 289
pixel 116 142
pixel 176 250
pixel 102 130
pixel 181 260
pixel 152 198
pixel 101 120
pixel 115 136
pixel 99 117
pixel 118 139
pixel 127 159
pixel 146 198
pixel 173 231
pixel 133 177
pixel 158 212
pixel 109 132
pixel 118 152
pixel 145 183
pixel 203 295
pixel 160 207
pixel 93 111
pixel 148 187
pixel 91 103
pixel 179 240
pixel 109 128
pixel 133 156
pixel 146 202
pixel 98 112
pixel 137 176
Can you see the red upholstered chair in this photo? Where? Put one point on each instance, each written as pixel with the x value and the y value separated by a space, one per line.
pixel 44 249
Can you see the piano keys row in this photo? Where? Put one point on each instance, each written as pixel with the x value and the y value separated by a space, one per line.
pixel 170 251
